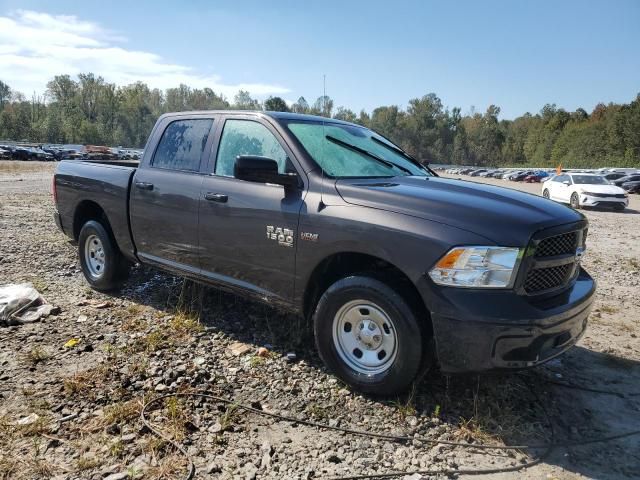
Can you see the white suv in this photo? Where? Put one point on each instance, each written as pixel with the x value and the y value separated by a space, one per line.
pixel 585 190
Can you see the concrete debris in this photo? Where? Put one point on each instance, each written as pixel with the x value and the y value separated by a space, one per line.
pixel 239 348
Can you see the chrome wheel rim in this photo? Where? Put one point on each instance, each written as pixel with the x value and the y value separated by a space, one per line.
pixel 94 256
pixel 364 337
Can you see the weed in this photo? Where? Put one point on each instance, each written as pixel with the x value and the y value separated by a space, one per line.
pixel 122 411
pixel 229 418
pixel 634 263
pixel 256 361
pixel 437 411
pixel 116 448
pixel 317 411
pixel 185 324
pixel 610 309
pixel 37 355
pixel 87 463
pixel 407 407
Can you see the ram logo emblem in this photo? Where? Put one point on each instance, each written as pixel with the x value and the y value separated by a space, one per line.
pixel 284 236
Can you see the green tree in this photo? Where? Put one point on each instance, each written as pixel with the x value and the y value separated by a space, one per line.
pixel 275 104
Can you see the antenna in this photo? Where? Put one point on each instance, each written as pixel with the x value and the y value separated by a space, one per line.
pixel 324 109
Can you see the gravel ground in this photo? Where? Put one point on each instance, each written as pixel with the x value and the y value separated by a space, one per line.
pixel 73 411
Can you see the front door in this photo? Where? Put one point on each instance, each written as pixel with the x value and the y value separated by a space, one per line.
pixel 165 195
pixel 247 233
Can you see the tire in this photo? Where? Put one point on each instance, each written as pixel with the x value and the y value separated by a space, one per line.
pixel 109 269
pixel 545 193
pixel 574 201
pixel 362 304
pixel 619 208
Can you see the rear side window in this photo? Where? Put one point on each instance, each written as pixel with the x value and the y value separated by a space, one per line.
pixel 182 145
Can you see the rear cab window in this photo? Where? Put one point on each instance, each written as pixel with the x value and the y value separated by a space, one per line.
pixel 182 145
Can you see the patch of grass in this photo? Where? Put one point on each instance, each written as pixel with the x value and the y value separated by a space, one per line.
pixel 318 411
pixel 230 417
pixel 19 166
pixel 122 411
pixel 407 407
pixel 177 416
pixel 87 463
pixel 38 427
pixel 256 361
pixel 134 324
pixel 86 384
pixel 37 355
pixel 610 309
pixel 437 411
pixel 633 263
pixel 185 324
pixel 134 309
pixel 170 467
pixel 474 430
pixel 116 448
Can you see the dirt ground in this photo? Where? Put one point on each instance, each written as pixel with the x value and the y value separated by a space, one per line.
pixel 74 411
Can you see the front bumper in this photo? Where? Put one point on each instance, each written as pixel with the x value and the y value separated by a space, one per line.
pixel 480 331
pixel 591 201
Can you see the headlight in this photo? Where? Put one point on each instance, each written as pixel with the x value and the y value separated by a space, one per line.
pixel 590 193
pixel 487 267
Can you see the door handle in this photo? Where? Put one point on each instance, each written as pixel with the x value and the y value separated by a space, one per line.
pixel 216 197
pixel 144 185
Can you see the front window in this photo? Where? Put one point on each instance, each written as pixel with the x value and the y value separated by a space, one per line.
pixel 351 151
pixel 589 180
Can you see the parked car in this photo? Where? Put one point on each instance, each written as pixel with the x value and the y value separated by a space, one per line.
pixel 626 179
pixel 476 173
pixel 391 263
pixel 614 176
pixel 520 176
pixel 585 190
pixel 5 154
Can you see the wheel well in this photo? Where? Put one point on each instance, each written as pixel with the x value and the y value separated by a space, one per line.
pixel 341 265
pixel 85 211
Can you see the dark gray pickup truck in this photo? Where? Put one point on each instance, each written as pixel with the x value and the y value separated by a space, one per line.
pixel 396 266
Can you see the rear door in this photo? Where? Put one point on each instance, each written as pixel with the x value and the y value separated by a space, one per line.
pixel 165 193
pixel 248 230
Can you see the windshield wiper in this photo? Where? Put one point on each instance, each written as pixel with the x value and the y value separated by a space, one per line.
pixel 375 157
pixel 393 148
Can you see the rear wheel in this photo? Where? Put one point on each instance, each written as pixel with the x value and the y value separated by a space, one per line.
pixel 545 193
pixel 368 335
pixel 575 201
pixel 619 207
pixel 103 266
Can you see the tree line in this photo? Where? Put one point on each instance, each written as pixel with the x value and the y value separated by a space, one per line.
pixel 89 110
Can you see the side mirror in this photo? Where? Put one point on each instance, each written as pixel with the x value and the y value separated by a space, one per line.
pixel 253 168
pixel 566 182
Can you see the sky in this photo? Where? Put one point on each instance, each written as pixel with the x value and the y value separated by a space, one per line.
pixel 519 55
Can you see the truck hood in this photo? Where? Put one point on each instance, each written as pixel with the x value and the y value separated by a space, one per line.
pixel 504 216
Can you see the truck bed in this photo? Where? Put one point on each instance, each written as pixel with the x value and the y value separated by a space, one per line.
pixel 103 183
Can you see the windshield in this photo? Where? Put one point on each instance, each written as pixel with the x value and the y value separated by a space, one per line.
pixel 352 151
pixel 589 180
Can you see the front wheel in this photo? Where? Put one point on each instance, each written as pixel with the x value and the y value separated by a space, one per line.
pixel 103 266
pixel 545 193
pixel 575 201
pixel 368 335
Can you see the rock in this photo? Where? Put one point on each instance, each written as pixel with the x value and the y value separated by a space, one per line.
pixel 239 348
pixel 128 438
pixel 161 387
pixel 117 476
pixel 290 357
pixel 28 420
pixel 82 319
pixel 262 352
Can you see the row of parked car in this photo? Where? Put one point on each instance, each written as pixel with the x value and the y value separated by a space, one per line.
pixel 56 152
pixel 625 178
